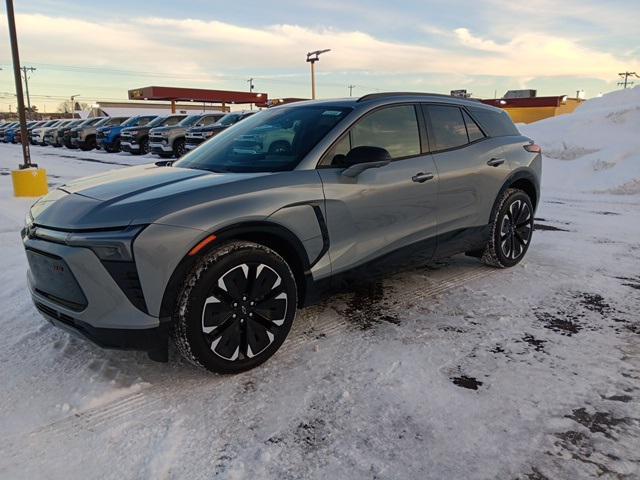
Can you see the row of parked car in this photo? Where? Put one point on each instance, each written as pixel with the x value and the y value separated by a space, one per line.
pixel 166 135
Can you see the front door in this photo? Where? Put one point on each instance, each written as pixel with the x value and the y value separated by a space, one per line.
pixel 385 213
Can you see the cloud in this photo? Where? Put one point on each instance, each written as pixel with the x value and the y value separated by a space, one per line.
pixel 204 51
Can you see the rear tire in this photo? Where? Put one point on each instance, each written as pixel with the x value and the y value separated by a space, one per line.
pixel 236 308
pixel 511 230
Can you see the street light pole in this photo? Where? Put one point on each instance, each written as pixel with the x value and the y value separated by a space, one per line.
pixel 250 81
pixel 312 58
pixel 26 153
pixel 73 104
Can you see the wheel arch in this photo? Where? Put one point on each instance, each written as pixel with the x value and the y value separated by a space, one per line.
pixel 524 181
pixel 274 236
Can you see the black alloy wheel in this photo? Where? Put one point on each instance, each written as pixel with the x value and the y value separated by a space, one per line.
pixel 515 229
pixel 511 230
pixel 236 308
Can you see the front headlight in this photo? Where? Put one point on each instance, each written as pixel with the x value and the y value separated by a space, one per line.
pixel 132 132
pixel 114 245
pixel 108 245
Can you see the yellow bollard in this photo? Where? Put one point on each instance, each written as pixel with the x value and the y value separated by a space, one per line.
pixel 29 182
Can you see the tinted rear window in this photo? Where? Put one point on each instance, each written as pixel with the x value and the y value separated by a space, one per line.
pixel 448 127
pixel 496 123
pixel 473 130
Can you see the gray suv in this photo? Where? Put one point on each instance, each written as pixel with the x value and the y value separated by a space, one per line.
pixel 219 249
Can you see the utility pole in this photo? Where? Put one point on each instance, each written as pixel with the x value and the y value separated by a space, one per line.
pixel 312 58
pixel 26 153
pixel 250 81
pixel 351 87
pixel 625 78
pixel 26 85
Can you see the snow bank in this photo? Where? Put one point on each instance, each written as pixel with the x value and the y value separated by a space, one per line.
pixel 595 149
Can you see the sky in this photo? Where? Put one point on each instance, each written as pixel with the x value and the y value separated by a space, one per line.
pixel 100 50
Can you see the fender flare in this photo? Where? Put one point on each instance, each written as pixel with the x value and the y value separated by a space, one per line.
pixel 237 230
pixel 511 179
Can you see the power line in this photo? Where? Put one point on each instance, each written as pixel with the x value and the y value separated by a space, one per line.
pixel 625 76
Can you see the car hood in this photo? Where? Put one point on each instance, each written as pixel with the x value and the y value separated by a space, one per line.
pixel 160 129
pixel 135 195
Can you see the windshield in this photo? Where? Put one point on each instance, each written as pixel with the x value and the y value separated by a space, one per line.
pixel 130 121
pixel 156 122
pixel 190 120
pixel 114 121
pixel 229 119
pixel 270 141
pixel 171 121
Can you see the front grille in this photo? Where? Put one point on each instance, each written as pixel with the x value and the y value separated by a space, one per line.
pixel 100 135
pixel 194 141
pixel 125 275
pixel 74 135
pixel 52 278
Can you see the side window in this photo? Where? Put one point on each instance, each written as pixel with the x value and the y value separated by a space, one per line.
pixel 473 130
pixel 207 121
pixel 448 127
pixel 394 128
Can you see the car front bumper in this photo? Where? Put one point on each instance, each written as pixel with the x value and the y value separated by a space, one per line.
pixel 129 146
pixel 157 147
pixel 96 307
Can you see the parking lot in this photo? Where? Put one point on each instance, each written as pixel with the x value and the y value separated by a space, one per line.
pixel 456 370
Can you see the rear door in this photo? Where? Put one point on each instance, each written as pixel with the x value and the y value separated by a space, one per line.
pixel 471 169
pixel 387 209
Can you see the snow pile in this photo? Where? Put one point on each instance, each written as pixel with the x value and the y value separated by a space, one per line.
pixel 596 149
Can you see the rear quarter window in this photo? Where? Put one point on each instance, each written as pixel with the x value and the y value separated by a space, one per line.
pixel 496 123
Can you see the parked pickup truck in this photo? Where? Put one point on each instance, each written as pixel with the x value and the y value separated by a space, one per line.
pixel 169 141
pixel 36 135
pixel 54 136
pixel 68 131
pixel 109 136
pixel 30 126
pixel 196 135
pixel 84 136
pixel 135 140
pixel 4 128
pixel 8 132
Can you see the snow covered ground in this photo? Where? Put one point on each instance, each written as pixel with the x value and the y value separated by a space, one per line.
pixel 455 371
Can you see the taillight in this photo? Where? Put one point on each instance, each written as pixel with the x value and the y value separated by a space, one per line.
pixel 533 148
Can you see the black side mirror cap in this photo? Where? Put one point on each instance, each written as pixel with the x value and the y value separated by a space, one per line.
pixel 366 154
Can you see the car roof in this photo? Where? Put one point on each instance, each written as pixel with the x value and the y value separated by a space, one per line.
pixel 389 98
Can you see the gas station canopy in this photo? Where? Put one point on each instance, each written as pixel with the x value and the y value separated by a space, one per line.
pixel 174 94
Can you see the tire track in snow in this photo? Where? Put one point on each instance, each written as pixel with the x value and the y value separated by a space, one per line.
pixel 314 325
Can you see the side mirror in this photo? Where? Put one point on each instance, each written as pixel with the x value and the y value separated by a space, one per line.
pixel 360 159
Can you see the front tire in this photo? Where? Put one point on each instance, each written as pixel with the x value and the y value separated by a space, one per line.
pixel 236 308
pixel 178 148
pixel 511 230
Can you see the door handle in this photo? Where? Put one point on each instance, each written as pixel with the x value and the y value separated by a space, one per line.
pixel 494 162
pixel 422 177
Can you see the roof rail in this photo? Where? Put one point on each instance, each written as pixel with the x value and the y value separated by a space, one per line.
pixel 374 96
